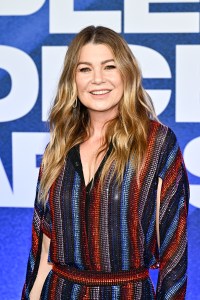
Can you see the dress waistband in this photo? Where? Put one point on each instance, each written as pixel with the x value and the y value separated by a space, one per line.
pixel 98 278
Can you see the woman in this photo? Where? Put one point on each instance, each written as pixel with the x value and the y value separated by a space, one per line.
pixel 112 194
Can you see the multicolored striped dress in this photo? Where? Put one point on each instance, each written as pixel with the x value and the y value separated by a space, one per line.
pixel 103 238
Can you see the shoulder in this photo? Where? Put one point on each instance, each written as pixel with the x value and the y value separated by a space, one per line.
pixel 167 148
pixel 162 133
pixel 162 142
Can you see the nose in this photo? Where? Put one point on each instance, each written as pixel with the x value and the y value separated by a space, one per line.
pixel 98 76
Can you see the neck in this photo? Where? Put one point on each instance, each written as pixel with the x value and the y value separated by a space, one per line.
pixel 98 124
pixel 97 128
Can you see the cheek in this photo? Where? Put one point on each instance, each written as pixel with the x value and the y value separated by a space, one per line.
pixel 76 84
pixel 77 81
pixel 119 80
pixel 121 90
pixel 81 85
pixel 120 85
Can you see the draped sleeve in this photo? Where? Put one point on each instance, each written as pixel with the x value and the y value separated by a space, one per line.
pixel 174 200
pixel 41 224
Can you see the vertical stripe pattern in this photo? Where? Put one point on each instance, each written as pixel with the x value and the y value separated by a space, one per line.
pixel 112 229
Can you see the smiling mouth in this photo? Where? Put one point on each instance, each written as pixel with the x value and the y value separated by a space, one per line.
pixel 101 92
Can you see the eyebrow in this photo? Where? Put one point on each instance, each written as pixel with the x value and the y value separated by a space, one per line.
pixel 102 63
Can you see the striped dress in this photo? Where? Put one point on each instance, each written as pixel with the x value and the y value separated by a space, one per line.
pixel 103 239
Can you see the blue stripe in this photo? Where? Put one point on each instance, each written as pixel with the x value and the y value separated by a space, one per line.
pixel 47 289
pixel 172 291
pixel 115 292
pixel 75 291
pixel 173 227
pixel 123 218
pixel 151 227
pixel 76 222
pixel 32 261
pixel 170 160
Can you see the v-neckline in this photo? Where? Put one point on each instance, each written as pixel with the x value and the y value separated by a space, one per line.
pixel 100 167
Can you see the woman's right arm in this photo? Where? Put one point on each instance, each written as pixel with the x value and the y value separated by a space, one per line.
pixel 44 269
pixel 41 235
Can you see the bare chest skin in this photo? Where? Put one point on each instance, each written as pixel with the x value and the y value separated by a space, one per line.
pixel 89 159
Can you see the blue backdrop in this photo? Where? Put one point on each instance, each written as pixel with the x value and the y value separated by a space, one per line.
pixel 165 38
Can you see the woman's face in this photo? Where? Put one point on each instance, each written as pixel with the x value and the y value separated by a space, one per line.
pixel 99 82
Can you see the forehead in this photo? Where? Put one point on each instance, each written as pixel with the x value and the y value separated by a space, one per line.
pixel 95 52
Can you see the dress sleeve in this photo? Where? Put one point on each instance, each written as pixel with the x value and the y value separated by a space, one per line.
pixel 174 200
pixel 41 224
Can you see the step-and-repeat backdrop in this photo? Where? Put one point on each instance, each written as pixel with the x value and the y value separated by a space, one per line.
pixel 34 34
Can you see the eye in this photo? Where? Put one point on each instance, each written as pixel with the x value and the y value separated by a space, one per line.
pixel 110 67
pixel 84 69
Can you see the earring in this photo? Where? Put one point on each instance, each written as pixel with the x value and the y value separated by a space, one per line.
pixel 75 103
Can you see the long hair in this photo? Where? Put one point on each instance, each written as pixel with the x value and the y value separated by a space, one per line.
pixel 127 132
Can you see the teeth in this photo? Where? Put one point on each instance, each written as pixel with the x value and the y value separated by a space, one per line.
pixel 100 92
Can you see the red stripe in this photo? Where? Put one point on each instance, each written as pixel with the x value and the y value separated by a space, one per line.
pixel 171 176
pixel 35 242
pixel 94 224
pixel 53 288
pixel 181 293
pixel 176 240
pixel 84 238
pixel 127 292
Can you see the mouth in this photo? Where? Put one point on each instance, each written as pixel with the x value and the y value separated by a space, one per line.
pixel 100 92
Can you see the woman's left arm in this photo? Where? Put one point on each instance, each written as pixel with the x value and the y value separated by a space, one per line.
pixel 174 197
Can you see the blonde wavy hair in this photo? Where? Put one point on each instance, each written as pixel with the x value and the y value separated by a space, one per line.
pixel 127 132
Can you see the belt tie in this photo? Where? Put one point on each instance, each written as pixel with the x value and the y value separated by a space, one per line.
pixel 98 278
